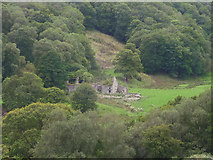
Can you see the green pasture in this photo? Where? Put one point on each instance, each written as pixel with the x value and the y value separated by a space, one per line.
pixel 103 108
pixel 157 90
pixel 153 98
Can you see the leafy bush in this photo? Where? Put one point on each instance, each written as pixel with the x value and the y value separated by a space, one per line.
pixel 19 91
pixel 84 98
pixel 22 127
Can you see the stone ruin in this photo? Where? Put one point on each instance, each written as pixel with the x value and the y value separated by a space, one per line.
pixel 111 91
pixel 105 89
pixel 115 88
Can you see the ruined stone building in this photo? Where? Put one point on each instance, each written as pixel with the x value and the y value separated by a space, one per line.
pixel 105 89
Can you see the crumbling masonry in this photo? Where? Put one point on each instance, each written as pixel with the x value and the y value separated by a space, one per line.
pixel 115 88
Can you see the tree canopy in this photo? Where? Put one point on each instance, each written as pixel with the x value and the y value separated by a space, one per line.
pixel 128 62
pixel 21 91
pixel 87 136
pixel 84 98
pixel 22 127
pixel 45 48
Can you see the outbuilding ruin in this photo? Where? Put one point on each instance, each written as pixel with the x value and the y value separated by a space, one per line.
pixel 104 89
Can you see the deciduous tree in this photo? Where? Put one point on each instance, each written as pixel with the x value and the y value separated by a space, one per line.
pixel 19 91
pixel 22 127
pixel 128 63
pixel 11 59
pixel 52 70
pixel 24 37
pixel 160 143
pixel 53 95
pixel 84 98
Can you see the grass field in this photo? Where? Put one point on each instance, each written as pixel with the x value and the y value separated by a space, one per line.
pixel 102 109
pixel 157 90
pixel 153 98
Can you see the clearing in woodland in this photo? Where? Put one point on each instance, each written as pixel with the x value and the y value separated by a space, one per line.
pixel 156 90
pixel 105 47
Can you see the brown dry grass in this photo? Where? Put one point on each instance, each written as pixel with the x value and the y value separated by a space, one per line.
pixel 105 47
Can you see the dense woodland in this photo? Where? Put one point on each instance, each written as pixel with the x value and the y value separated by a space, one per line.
pixel 44 47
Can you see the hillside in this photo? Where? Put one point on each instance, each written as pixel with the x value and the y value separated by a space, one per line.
pixel 58 64
pixel 105 47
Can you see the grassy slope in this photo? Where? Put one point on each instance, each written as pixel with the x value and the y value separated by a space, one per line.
pixel 103 108
pixel 156 90
pixel 105 47
pixel 153 98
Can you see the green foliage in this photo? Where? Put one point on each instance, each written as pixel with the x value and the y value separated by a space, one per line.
pixel 132 47
pixel 53 95
pixel 128 62
pixel 27 67
pixel 89 13
pixel 52 70
pixel 40 16
pixel 40 48
pixel 113 19
pixel 12 14
pixel 171 54
pixel 12 62
pixel 24 38
pixel 61 22
pixel 196 114
pixel 113 138
pixel 11 59
pixel 22 127
pixel 84 98
pixel 178 34
pixel 123 19
pixel 84 76
pixel 135 140
pixel 173 38
pixel 105 16
pixel 75 52
pixel 69 20
pixel 173 103
pixel 201 156
pixel 87 77
pixel 53 34
pixel 6 20
pixel 174 41
pixel 54 31
pixel 19 91
pixel 82 52
pixel 159 142
pixel 84 136
pixel 74 20
pixel 64 139
pixel 188 122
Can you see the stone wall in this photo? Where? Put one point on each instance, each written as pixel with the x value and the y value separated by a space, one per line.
pixel 72 87
pixel 106 89
pixel 115 88
pixel 122 90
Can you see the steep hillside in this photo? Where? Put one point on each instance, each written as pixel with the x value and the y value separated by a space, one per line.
pixel 105 47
